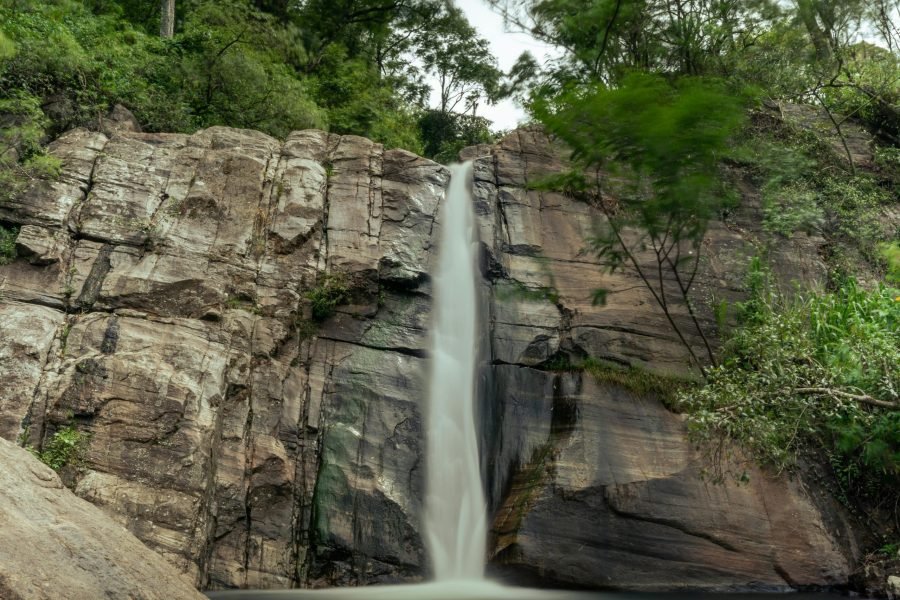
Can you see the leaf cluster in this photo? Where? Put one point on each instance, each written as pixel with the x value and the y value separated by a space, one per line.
pixel 661 140
pixel 331 291
pixel 7 244
pixel 65 447
pixel 817 372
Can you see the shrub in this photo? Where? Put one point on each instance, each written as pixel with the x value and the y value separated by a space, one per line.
pixel 66 447
pixel 7 244
pixel 890 254
pixel 802 191
pixel 815 373
pixel 331 291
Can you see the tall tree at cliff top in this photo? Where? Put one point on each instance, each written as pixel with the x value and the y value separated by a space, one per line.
pixel 399 42
pixel 462 64
pixel 274 65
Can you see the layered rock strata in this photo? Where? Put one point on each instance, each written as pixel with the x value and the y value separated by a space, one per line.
pixel 163 302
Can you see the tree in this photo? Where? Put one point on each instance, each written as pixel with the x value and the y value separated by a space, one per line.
pixel 167 19
pixel 461 60
pixel 446 133
pixel 606 39
pixel 663 143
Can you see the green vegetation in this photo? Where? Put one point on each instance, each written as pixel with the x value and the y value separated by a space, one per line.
pixel 66 447
pixel 332 290
pixel 890 254
pixel 271 66
pixel 242 302
pixel 660 143
pixel 8 244
pixel 804 189
pixel 633 378
pixel 511 290
pixel 811 373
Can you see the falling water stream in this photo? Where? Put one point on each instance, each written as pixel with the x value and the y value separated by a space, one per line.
pixel 455 508
pixel 455 505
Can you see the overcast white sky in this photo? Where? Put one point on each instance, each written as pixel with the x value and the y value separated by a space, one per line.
pixel 506 46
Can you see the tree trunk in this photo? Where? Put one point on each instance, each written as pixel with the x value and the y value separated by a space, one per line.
pixel 167 20
pixel 807 12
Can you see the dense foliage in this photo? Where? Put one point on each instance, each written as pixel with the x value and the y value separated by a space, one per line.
pixel 354 66
pixel 64 448
pixel 813 372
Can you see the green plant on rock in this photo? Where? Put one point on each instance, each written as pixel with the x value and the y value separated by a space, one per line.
pixel 331 291
pixel 7 244
pixel 633 378
pixel 243 302
pixel 814 373
pixel 512 290
pixel 65 447
pixel 22 159
pixel 890 549
pixel 803 190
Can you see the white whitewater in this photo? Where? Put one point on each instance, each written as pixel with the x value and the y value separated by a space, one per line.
pixel 454 505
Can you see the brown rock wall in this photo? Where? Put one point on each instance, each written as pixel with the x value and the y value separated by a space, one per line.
pixel 161 303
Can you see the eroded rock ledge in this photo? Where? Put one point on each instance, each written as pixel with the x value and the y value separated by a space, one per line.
pixel 161 304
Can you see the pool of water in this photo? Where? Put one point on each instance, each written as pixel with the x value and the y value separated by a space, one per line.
pixel 464 590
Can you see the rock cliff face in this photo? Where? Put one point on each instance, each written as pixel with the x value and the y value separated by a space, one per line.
pixel 591 484
pixel 162 302
pixel 160 305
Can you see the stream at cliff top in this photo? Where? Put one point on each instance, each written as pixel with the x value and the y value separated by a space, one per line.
pixel 455 507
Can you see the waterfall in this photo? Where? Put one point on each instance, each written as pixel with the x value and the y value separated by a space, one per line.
pixel 455 505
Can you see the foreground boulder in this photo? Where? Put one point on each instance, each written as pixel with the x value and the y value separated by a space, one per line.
pixel 55 545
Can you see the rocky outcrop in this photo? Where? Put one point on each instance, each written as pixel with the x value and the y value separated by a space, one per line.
pixel 162 302
pixel 55 545
pixel 589 483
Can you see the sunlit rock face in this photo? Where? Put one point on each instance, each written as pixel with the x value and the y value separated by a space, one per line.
pixel 162 302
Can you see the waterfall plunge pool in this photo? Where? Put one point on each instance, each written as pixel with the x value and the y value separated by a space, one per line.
pixel 487 590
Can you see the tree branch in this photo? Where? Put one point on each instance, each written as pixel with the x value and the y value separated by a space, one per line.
pixel 863 398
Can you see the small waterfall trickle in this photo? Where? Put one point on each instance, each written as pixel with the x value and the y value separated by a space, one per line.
pixel 455 521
